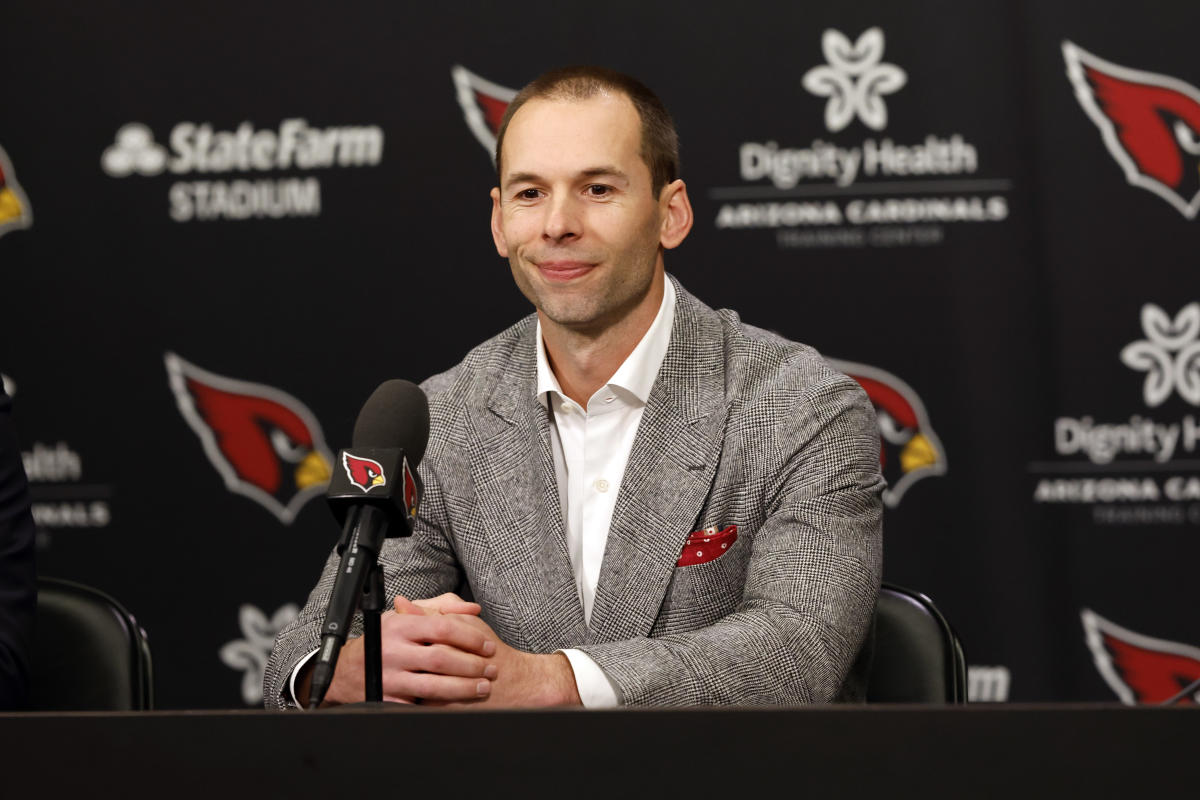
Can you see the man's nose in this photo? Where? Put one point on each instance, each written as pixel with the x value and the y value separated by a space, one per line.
pixel 563 219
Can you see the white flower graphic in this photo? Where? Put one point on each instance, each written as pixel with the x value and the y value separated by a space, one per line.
pixel 1169 355
pixel 250 654
pixel 855 80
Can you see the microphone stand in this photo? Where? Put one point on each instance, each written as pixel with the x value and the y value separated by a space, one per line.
pixel 371 604
pixel 372 609
pixel 362 539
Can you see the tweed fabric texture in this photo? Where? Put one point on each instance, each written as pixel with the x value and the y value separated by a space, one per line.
pixel 742 427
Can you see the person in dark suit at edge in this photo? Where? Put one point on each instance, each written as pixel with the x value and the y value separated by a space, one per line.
pixel 18 570
pixel 652 502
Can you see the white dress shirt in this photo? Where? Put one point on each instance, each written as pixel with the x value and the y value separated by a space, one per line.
pixel 591 446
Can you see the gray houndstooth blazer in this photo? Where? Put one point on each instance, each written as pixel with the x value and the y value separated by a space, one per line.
pixel 742 427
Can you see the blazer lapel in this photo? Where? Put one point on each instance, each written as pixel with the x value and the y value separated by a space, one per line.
pixel 521 507
pixel 667 478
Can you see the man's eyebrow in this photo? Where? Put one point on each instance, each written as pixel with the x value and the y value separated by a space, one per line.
pixel 522 177
pixel 594 172
pixel 590 172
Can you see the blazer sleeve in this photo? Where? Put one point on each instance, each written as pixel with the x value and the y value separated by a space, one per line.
pixel 18 573
pixel 811 584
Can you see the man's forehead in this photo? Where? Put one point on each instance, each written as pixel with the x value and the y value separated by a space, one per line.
pixel 604 128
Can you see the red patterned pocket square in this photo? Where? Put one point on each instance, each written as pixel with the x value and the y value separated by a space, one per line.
pixel 706 545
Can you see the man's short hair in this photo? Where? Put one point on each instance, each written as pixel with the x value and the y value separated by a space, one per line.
pixel 660 141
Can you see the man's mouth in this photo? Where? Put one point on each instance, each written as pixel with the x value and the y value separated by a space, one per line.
pixel 563 270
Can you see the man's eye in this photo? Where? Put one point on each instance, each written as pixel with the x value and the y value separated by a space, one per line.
pixel 599 190
pixel 528 194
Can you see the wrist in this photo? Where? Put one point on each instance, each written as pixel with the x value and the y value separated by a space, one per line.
pixel 560 686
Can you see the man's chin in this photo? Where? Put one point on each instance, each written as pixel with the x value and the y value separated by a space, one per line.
pixel 568 316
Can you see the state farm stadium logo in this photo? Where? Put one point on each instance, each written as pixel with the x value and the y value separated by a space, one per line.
pixel 909 449
pixel 1141 669
pixel 843 191
pixel 1150 124
pixel 15 211
pixel 294 146
pixel 1140 470
pixel 263 442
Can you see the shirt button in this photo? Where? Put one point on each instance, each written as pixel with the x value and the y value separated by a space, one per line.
pixel 601 485
pixel 609 399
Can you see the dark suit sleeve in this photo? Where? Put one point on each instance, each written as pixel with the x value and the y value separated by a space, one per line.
pixel 18 573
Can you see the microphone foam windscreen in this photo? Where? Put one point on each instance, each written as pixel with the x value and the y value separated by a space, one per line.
pixel 395 415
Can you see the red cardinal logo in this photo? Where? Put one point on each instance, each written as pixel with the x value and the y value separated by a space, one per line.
pixel 365 473
pixel 1138 668
pixel 410 491
pixel 15 211
pixel 483 104
pixel 909 450
pixel 264 443
pixel 1149 122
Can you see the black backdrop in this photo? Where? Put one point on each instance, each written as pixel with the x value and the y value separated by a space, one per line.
pixel 982 269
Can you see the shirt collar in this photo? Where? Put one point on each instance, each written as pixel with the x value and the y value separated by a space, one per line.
pixel 636 375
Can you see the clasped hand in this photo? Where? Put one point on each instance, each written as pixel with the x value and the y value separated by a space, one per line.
pixel 438 651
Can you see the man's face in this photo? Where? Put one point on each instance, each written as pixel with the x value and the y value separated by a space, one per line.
pixel 574 212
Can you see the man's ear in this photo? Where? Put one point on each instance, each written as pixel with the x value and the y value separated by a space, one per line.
pixel 677 221
pixel 497 228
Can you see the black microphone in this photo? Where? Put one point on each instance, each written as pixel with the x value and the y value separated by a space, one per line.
pixel 373 493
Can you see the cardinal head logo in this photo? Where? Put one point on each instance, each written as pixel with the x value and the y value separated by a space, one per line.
pixel 483 105
pixel 265 444
pixel 15 211
pixel 909 450
pixel 365 473
pixel 1139 668
pixel 1150 124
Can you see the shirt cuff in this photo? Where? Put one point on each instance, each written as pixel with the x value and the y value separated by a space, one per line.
pixel 595 689
pixel 296 671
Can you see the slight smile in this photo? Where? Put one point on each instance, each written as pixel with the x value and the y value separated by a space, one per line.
pixel 564 270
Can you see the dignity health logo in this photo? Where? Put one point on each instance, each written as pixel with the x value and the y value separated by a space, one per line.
pixel 201 149
pixel 1132 459
pixel 876 190
pixel 1169 355
pixel 854 80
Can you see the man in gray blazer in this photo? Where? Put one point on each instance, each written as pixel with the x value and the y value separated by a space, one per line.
pixel 650 502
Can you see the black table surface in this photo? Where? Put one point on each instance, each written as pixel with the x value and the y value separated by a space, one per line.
pixel 1078 750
